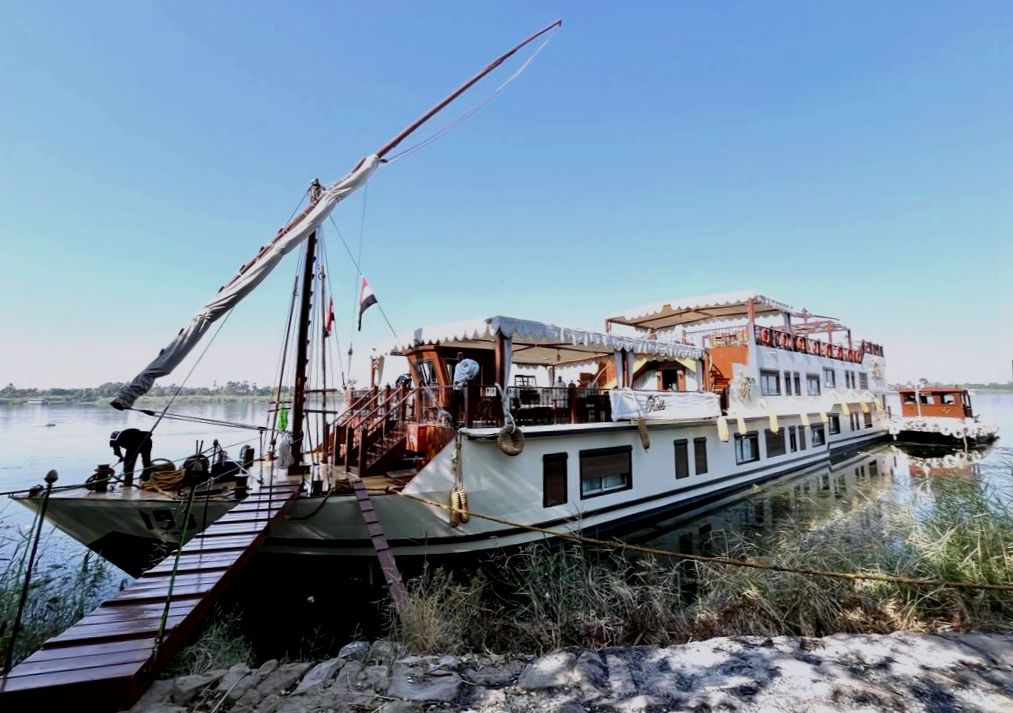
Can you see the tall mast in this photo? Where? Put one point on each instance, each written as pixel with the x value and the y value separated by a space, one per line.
pixel 302 344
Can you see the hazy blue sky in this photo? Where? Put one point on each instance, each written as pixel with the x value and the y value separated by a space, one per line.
pixel 853 158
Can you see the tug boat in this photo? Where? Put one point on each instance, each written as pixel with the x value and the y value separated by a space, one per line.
pixel 939 415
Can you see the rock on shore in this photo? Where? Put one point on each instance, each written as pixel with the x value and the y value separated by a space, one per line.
pixel 909 672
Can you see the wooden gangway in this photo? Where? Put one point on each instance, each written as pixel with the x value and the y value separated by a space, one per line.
pixel 109 658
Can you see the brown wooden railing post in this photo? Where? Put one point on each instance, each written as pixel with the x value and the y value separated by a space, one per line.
pixel 362 451
pixel 571 400
pixel 349 434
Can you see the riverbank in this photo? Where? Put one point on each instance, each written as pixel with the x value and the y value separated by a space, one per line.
pixel 901 671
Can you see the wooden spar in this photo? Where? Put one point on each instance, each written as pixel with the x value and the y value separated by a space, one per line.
pixel 405 133
pixel 390 145
pixel 302 344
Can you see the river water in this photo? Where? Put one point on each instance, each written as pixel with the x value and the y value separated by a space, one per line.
pixel 73 439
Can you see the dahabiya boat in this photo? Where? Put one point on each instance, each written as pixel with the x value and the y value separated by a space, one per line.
pixel 484 444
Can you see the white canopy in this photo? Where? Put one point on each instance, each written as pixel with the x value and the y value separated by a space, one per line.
pixel 694 310
pixel 540 344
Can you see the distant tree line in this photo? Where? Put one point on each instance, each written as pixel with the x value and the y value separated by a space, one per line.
pixel 991 386
pixel 106 391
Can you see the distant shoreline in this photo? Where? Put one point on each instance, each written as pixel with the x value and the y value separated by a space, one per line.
pixel 141 403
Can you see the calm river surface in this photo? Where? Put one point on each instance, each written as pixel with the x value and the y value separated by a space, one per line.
pixel 73 439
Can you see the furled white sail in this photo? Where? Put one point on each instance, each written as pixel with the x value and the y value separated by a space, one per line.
pixel 244 283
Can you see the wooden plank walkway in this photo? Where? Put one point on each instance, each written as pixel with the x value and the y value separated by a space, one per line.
pixel 109 658
pixel 398 593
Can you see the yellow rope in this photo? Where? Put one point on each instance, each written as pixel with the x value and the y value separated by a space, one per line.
pixel 723 560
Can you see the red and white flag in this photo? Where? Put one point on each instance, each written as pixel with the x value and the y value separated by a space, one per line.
pixel 329 319
pixel 366 299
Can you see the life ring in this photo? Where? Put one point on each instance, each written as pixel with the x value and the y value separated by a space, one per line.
pixel 946 430
pixel 765 336
pixel 800 344
pixel 785 341
pixel 510 440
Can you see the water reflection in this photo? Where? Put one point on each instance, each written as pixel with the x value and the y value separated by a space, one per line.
pixel 859 488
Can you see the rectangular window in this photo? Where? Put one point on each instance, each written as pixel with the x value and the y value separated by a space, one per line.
pixel 830 378
pixel 700 455
pixel 787 383
pixel 868 419
pixel 770 383
pixel 553 479
pixel 792 439
pixel 605 470
pixel 801 438
pixel 682 458
pixel 819 437
pixel 834 427
pixel 798 384
pixel 863 380
pixel 873 468
pixel 747 448
pixel 775 443
pixel 812 382
pixel 947 399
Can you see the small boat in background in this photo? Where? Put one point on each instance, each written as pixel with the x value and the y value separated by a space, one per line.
pixel 940 415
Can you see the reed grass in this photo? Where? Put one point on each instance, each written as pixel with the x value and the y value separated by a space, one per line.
pixel 952 528
pixel 60 592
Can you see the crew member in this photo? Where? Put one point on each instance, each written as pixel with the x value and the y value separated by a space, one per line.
pixel 127 445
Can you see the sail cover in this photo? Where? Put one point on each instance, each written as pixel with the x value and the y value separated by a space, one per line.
pixel 251 275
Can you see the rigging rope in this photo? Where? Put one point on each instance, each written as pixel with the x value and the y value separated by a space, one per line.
pixel 457 123
pixel 352 258
pixel 727 561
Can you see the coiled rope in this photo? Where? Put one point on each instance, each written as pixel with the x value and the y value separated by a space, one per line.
pixel 727 561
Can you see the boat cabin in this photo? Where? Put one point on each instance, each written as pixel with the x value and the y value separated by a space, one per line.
pixel 935 401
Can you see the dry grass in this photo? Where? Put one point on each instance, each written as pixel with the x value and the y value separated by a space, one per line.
pixel 540 599
pixel 220 645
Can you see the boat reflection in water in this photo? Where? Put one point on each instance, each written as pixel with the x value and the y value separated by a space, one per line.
pixel 859 485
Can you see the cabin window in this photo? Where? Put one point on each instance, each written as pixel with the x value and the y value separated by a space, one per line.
pixel 801 438
pixel 926 398
pixel 770 383
pixel 553 479
pixel 863 380
pixel 747 448
pixel 819 436
pixel 798 384
pixel 830 378
pixel 775 443
pixel 873 468
pixel 605 470
pixel 909 398
pixel 812 382
pixel 834 425
pixel 947 399
pixel 868 419
pixel 853 421
pixel 700 455
pixel 426 372
pixel 787 383
pixel 524 380
pixel 792 439
pixel 682 458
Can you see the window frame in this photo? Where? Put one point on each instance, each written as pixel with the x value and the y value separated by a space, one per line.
pixel 769 437
pixel 554 459
pixel 863 380
pixel 608 450
pixel 867 418
pixel 810 380
pixel 766 374
pixel 787 383
pixel 830 377
pixel 754 438
pixel 822 435
pixel 699 442
pixel 833 424
pixel 683 444
pixel 792 439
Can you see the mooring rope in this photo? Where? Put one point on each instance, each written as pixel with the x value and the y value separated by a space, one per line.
pixel 727 561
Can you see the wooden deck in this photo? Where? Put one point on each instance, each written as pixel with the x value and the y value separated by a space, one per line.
pixel 108 659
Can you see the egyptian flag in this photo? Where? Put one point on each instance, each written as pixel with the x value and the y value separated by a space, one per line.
pixel 366 299
pixel 329 319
